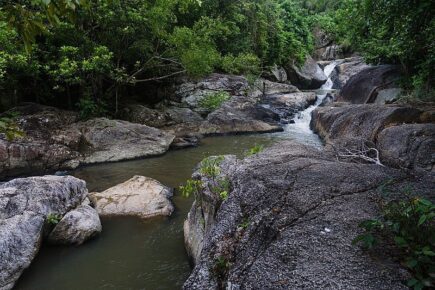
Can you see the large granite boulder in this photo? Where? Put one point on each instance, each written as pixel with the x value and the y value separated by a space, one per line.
pixel 159 118
pixel 289 221
pixel 190 93
pixel 76 227
pixel 365 86
pixel 140 196
pixel 107 140
pixel 345 69
pixel 25 205
pixel 308 77
pixel 398 133
pixel 55 140
pixel 408 146
pixel 287 105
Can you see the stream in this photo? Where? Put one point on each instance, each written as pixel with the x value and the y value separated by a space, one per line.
pixel 146 254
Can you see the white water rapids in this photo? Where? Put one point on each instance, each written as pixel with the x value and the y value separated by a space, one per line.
pixel 300 129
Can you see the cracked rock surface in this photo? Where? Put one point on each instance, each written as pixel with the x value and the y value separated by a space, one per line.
pixel 289 222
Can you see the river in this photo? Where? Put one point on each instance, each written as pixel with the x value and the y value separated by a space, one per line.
pixel 135 254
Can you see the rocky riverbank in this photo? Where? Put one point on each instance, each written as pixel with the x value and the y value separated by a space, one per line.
pixel 289 222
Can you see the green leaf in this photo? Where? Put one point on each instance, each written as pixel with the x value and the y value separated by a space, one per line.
pixel 400 241
pixel 422 220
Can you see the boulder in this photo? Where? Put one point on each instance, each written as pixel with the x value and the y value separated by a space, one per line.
pixel 279 73
pixel 76 227
pixel 308 77
pixel 393 130
pixel 55 141
pixel 364 87
pixel 408 146
pixel 140 196
pixel 190 93
pixel 160 118
pixel 266 87
pixel 107 140
pixel 345 69
pixel 140 114
pixel 287 105
pixel 289 221
pixel 25 204
pixel 334 123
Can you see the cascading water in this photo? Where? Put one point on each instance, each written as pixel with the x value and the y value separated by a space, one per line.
pixel 300 129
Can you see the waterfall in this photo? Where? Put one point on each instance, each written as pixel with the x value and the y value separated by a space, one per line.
pixel 300 129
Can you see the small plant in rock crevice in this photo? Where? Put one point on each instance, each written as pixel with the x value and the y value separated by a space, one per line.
pixel 192 187
pixel 245 223
pixel 9 126
pixel 53 219
pixel 210 166
pixel 221 267
pixel 410 221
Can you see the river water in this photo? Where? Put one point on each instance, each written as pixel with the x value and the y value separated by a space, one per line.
pixel 135 254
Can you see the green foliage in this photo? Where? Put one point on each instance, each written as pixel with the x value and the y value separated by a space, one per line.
pixel 396 31
pixel 89 108
pixel 214 101
pixel 243 64
pixel 9 126
pixel 411 223
pixel 222 188
pixel 210 166
pixel 254 150
pixel 53 219
pixel 245 223
pixel 221 267
pixel 192 187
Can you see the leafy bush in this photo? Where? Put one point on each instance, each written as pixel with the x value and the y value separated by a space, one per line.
pixel 210 166
pixel 243 64
pixel 411 223
pixel 214 101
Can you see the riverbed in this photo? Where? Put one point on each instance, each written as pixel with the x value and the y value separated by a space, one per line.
pixel 146 254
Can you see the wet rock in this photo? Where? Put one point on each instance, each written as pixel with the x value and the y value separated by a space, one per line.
pixel 140 196
pixel 113 140
pixel 364 87
pixel 291 210
pixel 185 142
pixel 286 105
pixel 76 227
pixel 345 69
pixel 408 146
pixel 25 204
pixel 308 77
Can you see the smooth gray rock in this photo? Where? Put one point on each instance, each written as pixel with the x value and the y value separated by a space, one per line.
pixel 363 87
pixel 391 129
pixel 55 141
pixel 24 205
pixel 139 196
pixel 408 146
pixel 345 69
pixel 308 77
pixel 266 87
pixel 289 222
pixel 279 73
pixel 114 140
pixel 76 227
